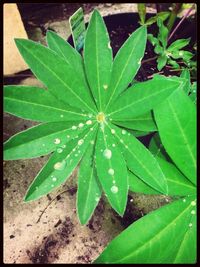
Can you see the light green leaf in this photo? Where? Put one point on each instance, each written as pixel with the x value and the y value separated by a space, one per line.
pixel 59 167
pixel 157 240
pixel 140 161
pixel 176 121
pixel 163 33
pixel 159 49
pixel 142 123
pixel 98 58
pixel 89 190
pixel 67 52
pixel 152 39
pixel 111 170
pixel 127 63
pixel 162 15
pixel 173 63
pixel 142 12
pixel 178 44
pixel 142 97
pixel 58 76
pixel 38 104
pixel 161 60
pixel 41 140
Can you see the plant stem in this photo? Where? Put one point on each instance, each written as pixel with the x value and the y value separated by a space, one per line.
pixel 180 22
pixel 149 59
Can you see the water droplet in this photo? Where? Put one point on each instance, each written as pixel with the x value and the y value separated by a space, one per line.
pixel 109 45
pixel 107 153
pixel 76 155
pixel 57 141
pixel 114 189
pixel 123 131
pixel 111 171
pixel 96 199
pixel 43 144
pixel 89 122
pixel 79 151
pixel 184 200
pixel 126 146
pixel 121 140
pixel 64 146
pixel 92 142
pixel 112 131
pixel 74 127
pixel 52 185
pixel 180 53
pixel 113 145
pixel 68 136
pixel 193 212
pixel 54 179
pixel 131 200
pixel 193 203
pixel 190 224
pixel 114 181
pixel 73 149
pixel 139 61
pixel 105 86
pixel 91 129
pixel 80 125
pixel 129 134
pixel 61 115
pixel 90 115
pixel 80 142
pixel 59 150
pixel 59 165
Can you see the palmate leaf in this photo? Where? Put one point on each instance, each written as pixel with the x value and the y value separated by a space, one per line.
pixel 178 184
pixel 55 73
pixel 111 167
pixel 126 63
pixel 60 166
pixel 41 140
pixel 139 160
pixel 168 240
pixel 38 104
pixel 98 58
pixel 142 97
pixel 142 123
pixel 89 189
pixel 176 121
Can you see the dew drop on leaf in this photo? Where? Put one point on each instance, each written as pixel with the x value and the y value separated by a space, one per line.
pixel 123 131
pixel 190 224
pixel 184 200
pixel 112 131
pixel 74 127
pixel 105 86
pixel 68 136
pixel 59 150
pixel 80 125
pixel 89 122
pixel 111 171
pixel 54 179
pixel 80 142
pixel 90 115
pixel 59 165
pixel 193 212
pixel 114 189
pixel 64 146
pixel 91 129
pixel 96 199
pixel 193 203
pixel 113 145
pixel 107 153
pixel 92 142
pixel 121 140
pixel 61 115
pixel 57 141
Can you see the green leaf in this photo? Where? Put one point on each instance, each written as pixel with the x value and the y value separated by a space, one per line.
pixel 185 74
pixel 193 92
pixel 163 33
pixel 126 63
pixel 89 190
pixel 152 39
pixel 176 121
pixel 161 60
pixel 41 140
pixel 142 97
pixel 139 160
pixel 68 53
pixel 142 123
pixel 111 170
pixel 58 76
pixel 157 240
pixel 173 63
pixel 37 104
pixel 178 44
pixel 98 58
pixel 161 15
pixel 142 12
pixel 59 167
pixel 157 148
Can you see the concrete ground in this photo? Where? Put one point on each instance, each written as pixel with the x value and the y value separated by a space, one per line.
pixel 58 237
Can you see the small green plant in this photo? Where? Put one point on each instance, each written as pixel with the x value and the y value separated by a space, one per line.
pixel 81 110
pixel 167 235
pixel 169 54
pixel 142 14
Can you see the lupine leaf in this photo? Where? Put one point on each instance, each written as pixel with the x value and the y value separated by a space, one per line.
pixel 142 97
pixel 67 52
pixel 127 63
pixel 178 44
pixel 168 240
pixel 111 167
pixel 142 123
pixel 157 148
pixel 98 58
pixel 59 167
pixel 89 189
pixel 56 74
pixel 176 121
pixel 38 104
pixel 140 161
pixel 41 140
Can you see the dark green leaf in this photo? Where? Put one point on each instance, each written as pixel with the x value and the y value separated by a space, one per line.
pixel 142 11
pixel 163 33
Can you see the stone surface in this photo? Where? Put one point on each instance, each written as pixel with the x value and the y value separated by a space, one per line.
pixel 12 28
